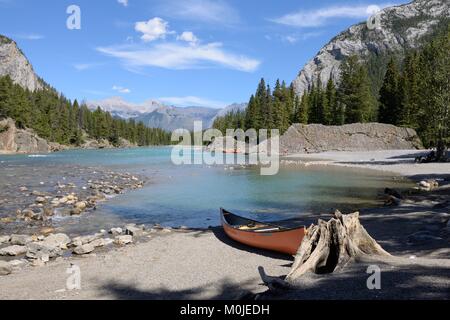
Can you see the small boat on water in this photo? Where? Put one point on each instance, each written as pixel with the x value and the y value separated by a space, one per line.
pixel 261 234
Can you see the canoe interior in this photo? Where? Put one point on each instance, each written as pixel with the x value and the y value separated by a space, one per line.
pixel 246 224
pixel 262 235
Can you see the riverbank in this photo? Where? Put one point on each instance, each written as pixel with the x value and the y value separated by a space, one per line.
pixel 392 161
pixel 183 264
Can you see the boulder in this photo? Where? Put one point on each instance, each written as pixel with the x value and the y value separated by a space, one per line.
pixel 80 205
pixel 5 268
pixel 134 231
pixel 41 200
pixel 60 240
pixel 123 240
pixel 84 249
pixel 20 239
pixel 101 242
pixel 43 251
pixel 315 138
pixel 14 250
pixel 116 231
pixel 78 241
pixel 4 239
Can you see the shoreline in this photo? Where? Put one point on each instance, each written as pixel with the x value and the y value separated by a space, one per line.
pixel 168 263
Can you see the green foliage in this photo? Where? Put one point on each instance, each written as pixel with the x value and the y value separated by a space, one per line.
pixel 390 102
pixel 57 119
pixel 421 97
pixel 266 110
pixel 355 93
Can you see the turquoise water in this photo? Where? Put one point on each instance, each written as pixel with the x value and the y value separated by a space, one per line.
pixel 191 195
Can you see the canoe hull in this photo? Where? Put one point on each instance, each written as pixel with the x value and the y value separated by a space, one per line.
pixel 284 241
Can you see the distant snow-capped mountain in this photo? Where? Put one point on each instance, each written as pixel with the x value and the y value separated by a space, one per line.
pixel 155 114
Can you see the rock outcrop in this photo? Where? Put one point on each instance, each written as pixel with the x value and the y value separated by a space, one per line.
pixel 401 27
pixel 14 63
pixel 315 138
pixel 14 140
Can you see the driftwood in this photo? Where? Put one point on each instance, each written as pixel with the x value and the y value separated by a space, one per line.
pixel 330 246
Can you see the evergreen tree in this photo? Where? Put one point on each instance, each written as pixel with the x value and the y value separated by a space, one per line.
pixel 331 113
pixel 390 103
pixel 354 92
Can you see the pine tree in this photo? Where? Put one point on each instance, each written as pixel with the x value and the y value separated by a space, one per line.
pixel 354 92
pixel 330 115
pixel 390 92
pixel 410 91
pixel 302 109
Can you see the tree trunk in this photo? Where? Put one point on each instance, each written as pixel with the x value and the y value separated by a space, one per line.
pixel 330 246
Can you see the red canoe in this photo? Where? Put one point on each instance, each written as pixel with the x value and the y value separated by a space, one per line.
pixel 261 234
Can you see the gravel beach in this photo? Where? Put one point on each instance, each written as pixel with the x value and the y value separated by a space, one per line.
pixel 205 264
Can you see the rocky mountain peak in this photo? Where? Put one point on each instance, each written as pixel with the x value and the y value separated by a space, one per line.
pixel 14 63
pixel 401 27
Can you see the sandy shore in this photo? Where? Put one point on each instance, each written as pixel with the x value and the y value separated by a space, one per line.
pixel 395 161
pixel 207 265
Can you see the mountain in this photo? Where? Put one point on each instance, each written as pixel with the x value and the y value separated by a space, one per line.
pixel 13 63
pixel 401 28
pixel 118 107
pixel 155 114
pixel 171 118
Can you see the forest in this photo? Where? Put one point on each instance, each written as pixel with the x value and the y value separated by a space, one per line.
pixel 55 118
pixel 414 93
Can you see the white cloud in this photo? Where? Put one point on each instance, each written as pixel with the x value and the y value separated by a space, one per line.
pixel 211 11
pixel 178 56
pixel 188 36
pixel 123 2
pixel 191 101
pixel 319 17
pixel 121 89
pixel 153 29
pixel 30 36
pixel 85 66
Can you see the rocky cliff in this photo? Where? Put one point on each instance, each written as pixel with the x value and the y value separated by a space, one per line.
pixel 315 138
pixel 401 27
pixel 14 63
pixel 14 140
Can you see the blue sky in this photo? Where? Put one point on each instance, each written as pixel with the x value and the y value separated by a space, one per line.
pixel 190 52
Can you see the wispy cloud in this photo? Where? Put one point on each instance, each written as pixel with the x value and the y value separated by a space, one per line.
pixel 179 56
pixel 30 36
pixel 320 17
pixel 192 101
pixel 85 66
pixel 210 11
pixel 123 2
pixel 121 89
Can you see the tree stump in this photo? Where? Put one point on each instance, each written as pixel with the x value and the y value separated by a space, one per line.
pixel 329 246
